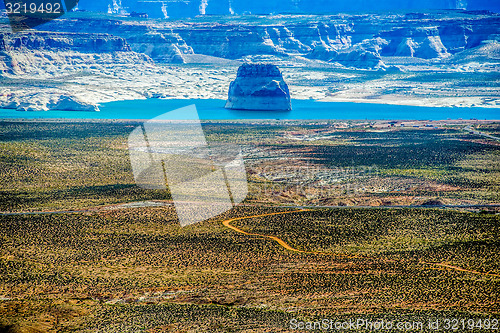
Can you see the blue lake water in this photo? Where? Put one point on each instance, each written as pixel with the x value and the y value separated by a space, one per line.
pixel 302 110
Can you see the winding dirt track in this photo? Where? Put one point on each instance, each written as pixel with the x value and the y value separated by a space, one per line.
pixel 442 265
pixel 227 223
pixel 285 245
pixel 281 242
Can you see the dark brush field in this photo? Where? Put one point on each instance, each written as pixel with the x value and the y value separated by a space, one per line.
pixel 125 269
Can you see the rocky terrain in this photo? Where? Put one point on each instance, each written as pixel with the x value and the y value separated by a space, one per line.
pixel 259 87
pixel 447 58
pixel 44 56
pixel 351 40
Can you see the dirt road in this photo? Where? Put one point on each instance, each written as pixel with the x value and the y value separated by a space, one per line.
pixel 282 243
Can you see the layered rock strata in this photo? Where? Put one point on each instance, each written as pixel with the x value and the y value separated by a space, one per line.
pixel 259 87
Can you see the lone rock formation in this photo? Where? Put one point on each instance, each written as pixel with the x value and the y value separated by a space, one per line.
pixel 259 87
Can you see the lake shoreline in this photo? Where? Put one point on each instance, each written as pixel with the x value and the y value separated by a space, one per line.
pixel 212 109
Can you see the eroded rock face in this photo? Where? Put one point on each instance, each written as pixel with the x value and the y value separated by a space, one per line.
pixel 344 39
pixel 45 52
pixel 259 87
pixel 36 54
pixel 78 42
pixel 420 42
pixel 163 46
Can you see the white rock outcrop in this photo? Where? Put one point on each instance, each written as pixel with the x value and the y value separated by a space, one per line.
pixel 44 102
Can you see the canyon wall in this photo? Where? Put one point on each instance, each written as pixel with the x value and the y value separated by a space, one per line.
pixel 47 52
pixel 350 40
pixel 35 59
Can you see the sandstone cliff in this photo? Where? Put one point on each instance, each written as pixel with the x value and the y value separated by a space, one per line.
pixel 48 55
pixel 154 40
pixel 349 40
pixel 259 87
pixel 47 52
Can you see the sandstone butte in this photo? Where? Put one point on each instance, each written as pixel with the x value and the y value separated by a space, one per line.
pixel 259 87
